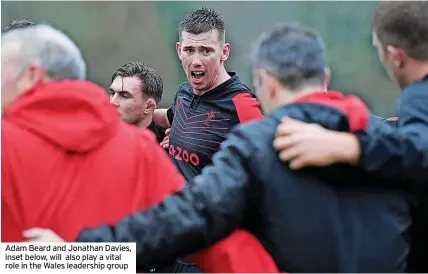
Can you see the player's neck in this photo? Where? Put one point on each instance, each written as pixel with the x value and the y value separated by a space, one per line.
pixel 288 97
pixel 146 121
pixel 418 72
pixel 222 77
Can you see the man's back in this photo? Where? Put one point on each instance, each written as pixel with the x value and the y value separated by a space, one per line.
pixel 303 219
pixel 309 225
pixel 69 162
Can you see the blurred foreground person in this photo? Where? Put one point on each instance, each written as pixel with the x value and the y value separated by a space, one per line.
pixel 69 162
pixel 59 133
pixel 135 90
pixel 306 224
pixel 400 36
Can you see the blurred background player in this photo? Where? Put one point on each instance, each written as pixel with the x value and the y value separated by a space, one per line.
pixel 135 91
pixel 400 36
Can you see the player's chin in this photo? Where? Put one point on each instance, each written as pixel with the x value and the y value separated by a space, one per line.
pixel 199 86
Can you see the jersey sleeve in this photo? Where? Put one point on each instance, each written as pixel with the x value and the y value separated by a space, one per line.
pixel 247 108
pixel 170 114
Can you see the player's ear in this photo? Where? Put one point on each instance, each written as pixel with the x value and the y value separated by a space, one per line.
pixel 178 49
pixel 327 78
pixel 225 52
pixel 150 106
pixel 398 56
pixel 268 83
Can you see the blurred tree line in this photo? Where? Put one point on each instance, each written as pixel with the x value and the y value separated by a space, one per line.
pixel 111 34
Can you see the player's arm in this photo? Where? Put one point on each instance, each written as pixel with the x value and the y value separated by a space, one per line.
pixel 163 117
pixel 160 117
pixel 385 151
pixel 195 217
pixel 402 152
pixel 247 108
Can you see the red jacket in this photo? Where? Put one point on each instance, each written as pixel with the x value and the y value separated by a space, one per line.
pixel 69 162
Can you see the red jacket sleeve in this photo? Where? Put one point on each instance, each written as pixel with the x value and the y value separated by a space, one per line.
pixel 247 107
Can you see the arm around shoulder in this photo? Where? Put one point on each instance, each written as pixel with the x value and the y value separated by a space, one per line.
pixel 160 117
pixel 200 214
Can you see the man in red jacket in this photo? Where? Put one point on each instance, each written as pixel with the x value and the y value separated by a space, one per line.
pixel 69 162
pixel 65 150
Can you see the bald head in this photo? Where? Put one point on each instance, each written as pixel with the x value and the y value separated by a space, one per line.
pixel 37 53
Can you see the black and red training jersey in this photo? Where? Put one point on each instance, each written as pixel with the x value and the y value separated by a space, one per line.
pixel 200 123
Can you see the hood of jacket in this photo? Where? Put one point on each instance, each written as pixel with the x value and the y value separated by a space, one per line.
pixel 71 114
pixel 331 109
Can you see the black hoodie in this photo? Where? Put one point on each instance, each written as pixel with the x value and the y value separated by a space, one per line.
pixel 306 221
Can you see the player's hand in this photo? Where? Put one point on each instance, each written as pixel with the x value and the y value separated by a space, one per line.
pixel 41 235
pixel 165 143
pixel 304 144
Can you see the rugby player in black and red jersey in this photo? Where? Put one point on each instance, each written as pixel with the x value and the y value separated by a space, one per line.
pixel 211 101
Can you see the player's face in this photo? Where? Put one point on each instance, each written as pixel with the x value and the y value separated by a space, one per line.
pixel 390 62
pixel 126 96
pixel 202 57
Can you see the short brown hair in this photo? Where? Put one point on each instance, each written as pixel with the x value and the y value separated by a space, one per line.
pixel 403 24
pixel 151 81
pixel 202 20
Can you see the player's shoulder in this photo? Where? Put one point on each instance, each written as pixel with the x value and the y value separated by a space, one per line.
pixel 246 107
pixel 415 91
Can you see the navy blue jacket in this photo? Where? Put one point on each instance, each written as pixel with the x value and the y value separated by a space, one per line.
pixel 305 223
pixel 403 153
